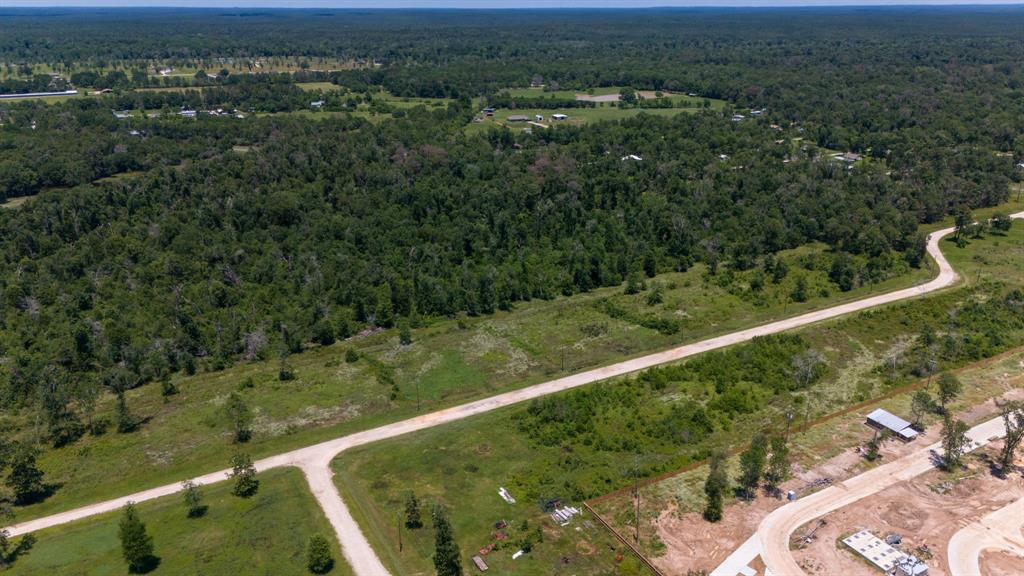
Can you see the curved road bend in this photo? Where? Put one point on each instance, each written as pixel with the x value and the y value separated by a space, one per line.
pixel 1000 530
pixel 773 535
pixel 315 460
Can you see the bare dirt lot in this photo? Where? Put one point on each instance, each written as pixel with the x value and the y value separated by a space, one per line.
pixel 1001 564
pixel 925 511
pixel 694 544
pixel 922 516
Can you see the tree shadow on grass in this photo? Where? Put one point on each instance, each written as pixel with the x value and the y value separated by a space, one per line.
pixel 198 511
pixel 24 545
pixel 146 565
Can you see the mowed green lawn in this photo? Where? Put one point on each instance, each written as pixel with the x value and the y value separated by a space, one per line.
pixel 262 535
pixel 462 465
pixel 449 362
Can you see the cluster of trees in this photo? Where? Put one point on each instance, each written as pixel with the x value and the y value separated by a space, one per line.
pixel 447 557
pixel 338 224
pixel 765 462
pixel 137 545
pixel 504 100
pixel 35 83
pixel 599 426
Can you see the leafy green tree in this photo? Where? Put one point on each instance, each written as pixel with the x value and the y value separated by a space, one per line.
pixel 167 387
pixel 715 486
pixel 412 512
pixel 239 416
pixel 628 96
pixel 1001 223
pixel 954 442
pixel 136 544
pixel 843 271
pixel 323 332
pixel 875 444
pixel 799 293
pixel 404 333
pixel 921 404
pixel 962 218
pixel 193 497
pixel 1012 414
pixel 244 474
pixel 351 356
pixel 778 462
pixel 318 555
pixel 779 271
pixel 24 478
pixel 447 560
pixel 752 463
pixel 126 421
pixel 949 388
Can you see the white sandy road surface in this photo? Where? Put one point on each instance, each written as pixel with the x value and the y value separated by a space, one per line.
pixel 1000 530
pixel 771 541
pixel 315 460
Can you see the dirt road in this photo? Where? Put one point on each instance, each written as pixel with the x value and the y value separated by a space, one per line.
pixel 1000 530
pixel 315 460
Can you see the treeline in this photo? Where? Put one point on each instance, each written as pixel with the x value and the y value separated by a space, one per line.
pixel 37 83
pixel 514 102
pixel 322 228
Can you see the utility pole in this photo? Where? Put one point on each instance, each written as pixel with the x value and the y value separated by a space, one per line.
pixel 417 395
pixel 399 517
pixel 636 492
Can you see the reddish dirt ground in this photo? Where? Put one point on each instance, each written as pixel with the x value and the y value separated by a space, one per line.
pixel 1001 564
pixel 924 517
pixel 694 544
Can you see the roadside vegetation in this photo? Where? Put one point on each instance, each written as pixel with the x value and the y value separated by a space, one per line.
pixel 190 424
pixel 267 534
pixel 584 443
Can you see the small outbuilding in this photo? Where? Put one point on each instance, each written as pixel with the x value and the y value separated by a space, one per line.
pixel 884 420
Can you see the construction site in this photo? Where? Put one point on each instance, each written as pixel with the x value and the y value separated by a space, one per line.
pixel 902 528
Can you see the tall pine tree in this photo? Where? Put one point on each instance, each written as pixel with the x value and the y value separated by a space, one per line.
pixel 446 552
pixel 136 544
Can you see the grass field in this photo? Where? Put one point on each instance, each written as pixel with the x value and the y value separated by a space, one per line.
pixel 541 93
pixel 577 116
pixel 16 202
pixel 262 535
pixel 469 468
pixel 318 86
pixel 462 465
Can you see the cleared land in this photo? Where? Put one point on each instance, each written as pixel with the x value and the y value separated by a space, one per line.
pixel 464 464
pixel 265 534
pixel 858 367
pixel 577 116
pixel 447 364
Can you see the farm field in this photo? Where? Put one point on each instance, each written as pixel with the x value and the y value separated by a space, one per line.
pixel 462 465
pixel 450 361
pixel 266 534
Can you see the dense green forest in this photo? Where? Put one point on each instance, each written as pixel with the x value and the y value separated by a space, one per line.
pixel 227 238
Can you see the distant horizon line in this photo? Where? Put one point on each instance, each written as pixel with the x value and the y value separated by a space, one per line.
pixel 496 5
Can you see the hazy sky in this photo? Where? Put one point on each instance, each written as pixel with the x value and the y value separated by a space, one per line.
pixel 484 3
